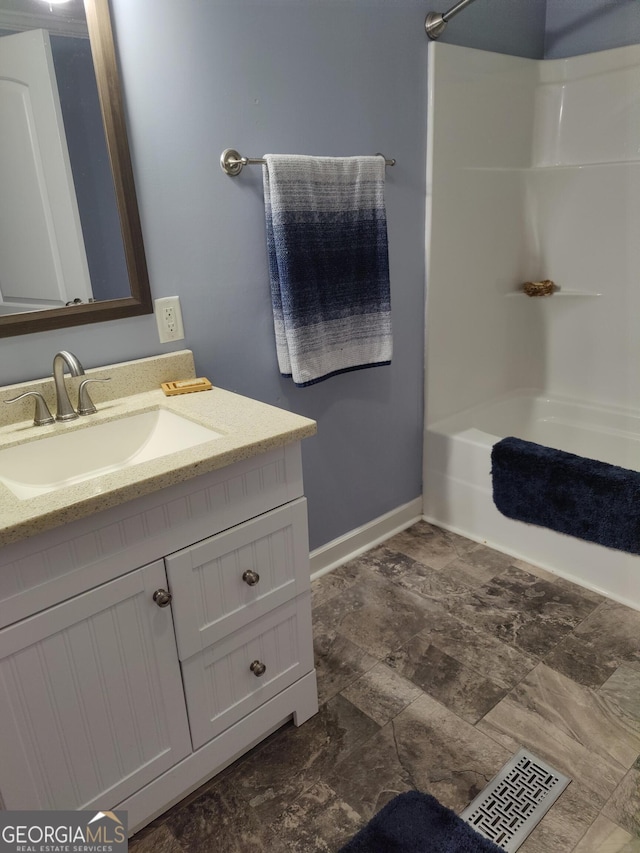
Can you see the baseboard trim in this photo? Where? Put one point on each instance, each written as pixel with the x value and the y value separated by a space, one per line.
pixel 328 557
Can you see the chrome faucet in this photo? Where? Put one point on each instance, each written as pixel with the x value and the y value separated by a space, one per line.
pixel 64 409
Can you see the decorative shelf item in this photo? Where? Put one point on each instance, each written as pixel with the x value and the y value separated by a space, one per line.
pixel 539 288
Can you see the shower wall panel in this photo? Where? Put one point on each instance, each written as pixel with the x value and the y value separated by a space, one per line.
pixel 534 173
pixel 481 110
pixel 584 202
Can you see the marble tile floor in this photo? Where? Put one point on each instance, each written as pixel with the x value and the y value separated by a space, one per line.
pixel 437 658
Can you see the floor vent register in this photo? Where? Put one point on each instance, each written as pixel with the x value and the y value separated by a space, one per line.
pixel 515 800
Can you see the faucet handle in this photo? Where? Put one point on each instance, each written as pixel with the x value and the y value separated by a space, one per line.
pixel 42 415
pixel 85 403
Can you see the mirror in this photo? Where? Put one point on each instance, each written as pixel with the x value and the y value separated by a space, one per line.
pixel 96 202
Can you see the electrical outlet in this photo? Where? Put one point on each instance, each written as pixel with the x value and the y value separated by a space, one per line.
pixel 169 319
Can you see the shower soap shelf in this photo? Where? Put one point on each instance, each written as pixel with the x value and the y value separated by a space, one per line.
pixel 555 294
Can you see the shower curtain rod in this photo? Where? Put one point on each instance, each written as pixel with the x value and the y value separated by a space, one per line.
pixel 436 21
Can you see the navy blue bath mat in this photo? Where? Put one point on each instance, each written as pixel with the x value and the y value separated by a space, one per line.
pixel 418 823
pixel 570 494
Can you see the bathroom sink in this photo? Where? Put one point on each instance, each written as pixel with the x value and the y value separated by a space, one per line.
pixel 55 461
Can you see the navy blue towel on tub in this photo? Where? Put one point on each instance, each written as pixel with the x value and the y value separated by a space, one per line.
pixel 328 264
pixel 571 494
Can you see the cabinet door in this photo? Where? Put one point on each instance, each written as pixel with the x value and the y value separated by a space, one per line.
pixel 235 676
pixel 91 698
pixel 235 577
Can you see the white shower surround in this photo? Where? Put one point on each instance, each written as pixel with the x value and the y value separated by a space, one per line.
pixel 533 172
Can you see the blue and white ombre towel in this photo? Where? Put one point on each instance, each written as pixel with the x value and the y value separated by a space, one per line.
pixel 328 264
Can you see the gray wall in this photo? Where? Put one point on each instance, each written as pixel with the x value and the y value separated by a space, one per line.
pixel 331 77
pixel 583 26
pixel 505 26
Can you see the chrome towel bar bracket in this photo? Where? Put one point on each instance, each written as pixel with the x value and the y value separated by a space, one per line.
pixel 232 163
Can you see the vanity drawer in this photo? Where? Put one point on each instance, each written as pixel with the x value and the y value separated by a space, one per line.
pixel 227 581
pixel 220 685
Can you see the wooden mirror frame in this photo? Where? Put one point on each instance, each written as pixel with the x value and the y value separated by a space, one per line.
pixel 112 105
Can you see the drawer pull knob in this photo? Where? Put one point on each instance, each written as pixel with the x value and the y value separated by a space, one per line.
pixel 258 668
pixel 250 577
pixel 162 598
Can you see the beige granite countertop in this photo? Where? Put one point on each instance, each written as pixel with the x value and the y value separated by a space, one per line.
pixel 248 428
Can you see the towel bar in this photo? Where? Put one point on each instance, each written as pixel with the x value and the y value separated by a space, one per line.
pixel 232 163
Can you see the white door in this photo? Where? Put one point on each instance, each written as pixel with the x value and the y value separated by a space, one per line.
pixel 91 699
pixel 42 257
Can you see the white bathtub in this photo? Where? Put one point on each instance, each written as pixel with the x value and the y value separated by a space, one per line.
pixel 458 494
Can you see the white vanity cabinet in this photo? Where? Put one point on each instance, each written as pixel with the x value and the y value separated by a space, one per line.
pixel 110 700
